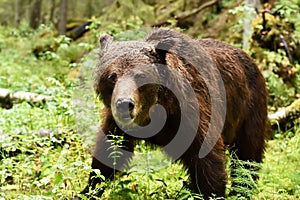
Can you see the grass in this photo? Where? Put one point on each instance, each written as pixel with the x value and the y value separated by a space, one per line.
pixel 57 166
pixel 280 175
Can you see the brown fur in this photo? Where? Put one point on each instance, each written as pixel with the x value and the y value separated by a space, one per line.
pixel 246 117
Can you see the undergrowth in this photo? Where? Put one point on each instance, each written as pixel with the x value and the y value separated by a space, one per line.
pixel 44 154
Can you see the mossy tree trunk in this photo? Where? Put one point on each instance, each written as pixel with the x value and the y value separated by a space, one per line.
pixel 249 14
pixel 17 12
pixel 63 13
pixel 52 11
pixel 35 17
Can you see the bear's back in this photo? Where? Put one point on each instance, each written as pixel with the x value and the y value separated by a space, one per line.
pixel 245 85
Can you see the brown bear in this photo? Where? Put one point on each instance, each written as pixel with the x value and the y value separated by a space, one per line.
pixel 191 97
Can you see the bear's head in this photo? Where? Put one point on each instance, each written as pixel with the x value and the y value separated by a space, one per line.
pixel 134 77
pixel 127 79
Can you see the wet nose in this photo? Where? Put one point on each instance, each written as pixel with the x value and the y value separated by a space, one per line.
pixel 124 106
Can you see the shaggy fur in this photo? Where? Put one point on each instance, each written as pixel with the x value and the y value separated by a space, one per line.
pixel 246 118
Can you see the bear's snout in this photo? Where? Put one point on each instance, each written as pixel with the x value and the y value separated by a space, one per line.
pixel 124 108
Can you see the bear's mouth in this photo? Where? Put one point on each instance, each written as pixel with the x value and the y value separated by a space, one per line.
pixel 126 123
pixel 125 117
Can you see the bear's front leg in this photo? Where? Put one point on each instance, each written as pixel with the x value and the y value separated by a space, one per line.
pixel 106 162
pixel 208 175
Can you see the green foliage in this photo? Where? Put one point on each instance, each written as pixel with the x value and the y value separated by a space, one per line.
pixel 41 169
pixel 125 11
pixel 279 93
pixel 150 176
pixel 117 142
pixel 244 184
pixel 290 11
pixel 280 174
pixel 56 166
pixel 282 74
pixel 38 170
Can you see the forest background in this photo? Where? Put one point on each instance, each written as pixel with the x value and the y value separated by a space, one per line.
pixel 47 55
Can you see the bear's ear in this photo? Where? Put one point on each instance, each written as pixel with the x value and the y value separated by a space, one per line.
pixel 105 40
pixel 163 47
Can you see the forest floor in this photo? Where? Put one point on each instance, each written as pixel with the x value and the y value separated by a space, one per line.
pixel 57 165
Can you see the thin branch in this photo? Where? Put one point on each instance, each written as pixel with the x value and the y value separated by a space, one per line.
pixel 185 15
pixel 196 10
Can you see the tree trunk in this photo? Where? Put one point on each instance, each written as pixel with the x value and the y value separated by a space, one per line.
pixel 17 12
pixel 62 17
pixel 285 115
pixel 35 16
pixel 89 9
pixel 52 11
pixel 249 14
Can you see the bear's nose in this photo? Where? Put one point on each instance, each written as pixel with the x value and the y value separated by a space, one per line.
pixel 124 106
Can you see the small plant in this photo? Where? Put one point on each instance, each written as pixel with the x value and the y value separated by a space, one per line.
pixel 244 177
pixel 116 142
pixel 52 167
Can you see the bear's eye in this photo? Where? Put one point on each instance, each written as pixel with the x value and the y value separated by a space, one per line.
pixel 139 76
pixel 112 77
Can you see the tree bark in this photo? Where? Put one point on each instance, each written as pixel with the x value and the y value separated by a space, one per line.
pixel 63 8
pixel 52 11
pixel 89 9
pixel 285 115
pixel 249 14
pixel 35 16
pixel 17 12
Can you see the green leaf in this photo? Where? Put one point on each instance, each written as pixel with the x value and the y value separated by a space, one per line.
pixel 58 178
